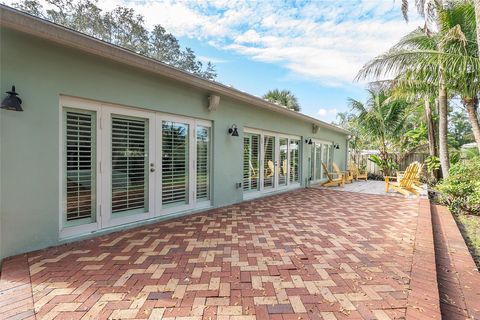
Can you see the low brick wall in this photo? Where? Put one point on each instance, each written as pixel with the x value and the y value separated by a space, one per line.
pixel 459 279
pixel 423 300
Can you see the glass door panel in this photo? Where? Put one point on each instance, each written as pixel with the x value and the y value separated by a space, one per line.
pixel 269 162
pixel 203 163
pixel 294 150
pixel 251 162
pixel 283 163
pixel 129 156
pixel 318 161
pixel 175 163
pixel 325 159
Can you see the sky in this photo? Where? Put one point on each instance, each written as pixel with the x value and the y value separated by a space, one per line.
pixel 312 48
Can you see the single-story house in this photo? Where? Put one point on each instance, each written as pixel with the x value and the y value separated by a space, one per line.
pixel 109 139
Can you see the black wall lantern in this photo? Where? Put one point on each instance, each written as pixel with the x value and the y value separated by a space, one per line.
pixel 308 141
pixel 12 102
pixel 233 131
pixel 336 146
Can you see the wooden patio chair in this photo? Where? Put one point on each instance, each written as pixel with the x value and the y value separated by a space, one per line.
pixel 357 173
pixel 405 183
pixel 347 175
pixel 270 170
pixel 253 172
pixel 333 178
pixel 417 184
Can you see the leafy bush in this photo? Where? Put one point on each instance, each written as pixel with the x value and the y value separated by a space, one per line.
pixel 386 165
pixel 433 164
pixel 461 190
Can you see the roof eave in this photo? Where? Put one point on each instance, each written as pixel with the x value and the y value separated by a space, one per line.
pixel 29 24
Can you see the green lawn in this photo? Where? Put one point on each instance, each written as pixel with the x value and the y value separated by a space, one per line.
pixel 470 227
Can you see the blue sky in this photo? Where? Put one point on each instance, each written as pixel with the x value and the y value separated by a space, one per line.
pixel 313 48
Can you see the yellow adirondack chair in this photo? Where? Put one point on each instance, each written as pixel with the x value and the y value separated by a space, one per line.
pixel 417 184
pixel 404 184
pixel 347 175
pixel 253 172
pixel 271 169
pixel 357 174
pixel 333 178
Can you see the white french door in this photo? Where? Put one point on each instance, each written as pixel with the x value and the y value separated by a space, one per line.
pixel 122 165
pixel 321 152
pixel 271 161
pixel 128 169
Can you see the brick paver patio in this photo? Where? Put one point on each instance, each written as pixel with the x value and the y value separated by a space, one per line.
pixel 308 254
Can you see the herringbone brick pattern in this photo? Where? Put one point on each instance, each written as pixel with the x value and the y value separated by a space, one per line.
pixel 309 254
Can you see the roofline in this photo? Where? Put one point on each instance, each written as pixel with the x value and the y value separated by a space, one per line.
pixel 45 29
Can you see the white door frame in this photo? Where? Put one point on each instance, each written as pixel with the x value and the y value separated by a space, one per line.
pixel 103 113
pixel 108 218
pixel 277 136
pixel 314 162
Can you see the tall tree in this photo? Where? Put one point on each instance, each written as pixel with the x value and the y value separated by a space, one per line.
pixel 121 26
pixel 477 19
pixel 445 56
pixel 284 98
pixel 382 118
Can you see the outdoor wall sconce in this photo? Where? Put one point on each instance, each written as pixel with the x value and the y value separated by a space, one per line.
pixel 233 131
pixel 336 146
pixel 12 102
pixel 308 141
pixel 213 102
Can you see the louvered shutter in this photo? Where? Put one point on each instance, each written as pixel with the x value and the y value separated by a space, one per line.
pixel 318 164
pixel 294 160
pixel 129 164
pixel 203 163
pixel 251 161
pixel 80 165
pixel 269 162
pixel 283 165
pixel 175 163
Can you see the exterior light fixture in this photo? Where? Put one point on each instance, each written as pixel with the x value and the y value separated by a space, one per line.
pixel 336 146
pixel 12 102
pixel 233 131
pixel 308 141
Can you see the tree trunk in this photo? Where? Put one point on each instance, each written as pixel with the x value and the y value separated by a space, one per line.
pixel 432 142
pixel 477 17
pixel 443 126
pixel 471 105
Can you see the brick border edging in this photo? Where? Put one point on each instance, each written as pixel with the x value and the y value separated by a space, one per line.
pixel 462 262
pixel 16 297
pixel 423 299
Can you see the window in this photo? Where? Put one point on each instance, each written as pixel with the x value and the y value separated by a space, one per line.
pixel 251 161
pixel 283 174
pixel 294 150
pixel 80 166
pixel 269 162
pixel 326 159
pixel 318 161
pixel 175 163
pixel 203 163
pixel 129 176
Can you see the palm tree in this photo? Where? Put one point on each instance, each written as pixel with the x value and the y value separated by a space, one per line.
pixel 426 55
pixel 284 98
pixel 477 18
pixel 382 118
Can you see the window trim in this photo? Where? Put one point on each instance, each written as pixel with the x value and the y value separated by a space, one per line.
pixel 249 194
pixel 103 112
pixel 68 103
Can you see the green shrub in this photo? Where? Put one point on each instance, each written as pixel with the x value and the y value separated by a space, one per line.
pixel 461 190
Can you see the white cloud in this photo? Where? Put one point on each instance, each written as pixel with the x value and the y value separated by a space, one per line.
pixel 327 115
pixel 327 41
